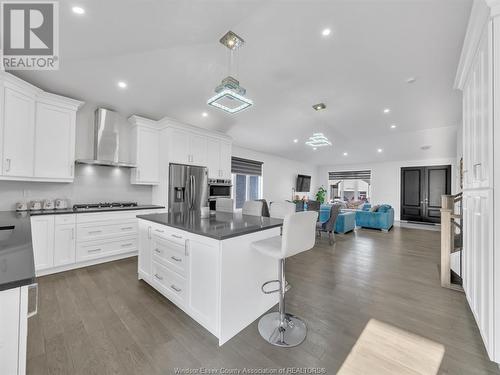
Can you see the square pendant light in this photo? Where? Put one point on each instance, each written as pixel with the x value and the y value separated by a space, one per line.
pixel 319 106
pixel 318 140
pixel 232 40
pixel 230 97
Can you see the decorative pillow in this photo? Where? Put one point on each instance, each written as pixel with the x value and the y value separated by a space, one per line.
pixel 375 208
pixel 384 208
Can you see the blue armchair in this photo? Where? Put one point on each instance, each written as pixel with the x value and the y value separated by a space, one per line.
pixel 382 219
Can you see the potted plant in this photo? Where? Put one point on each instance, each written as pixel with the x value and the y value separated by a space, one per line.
pixel 321 195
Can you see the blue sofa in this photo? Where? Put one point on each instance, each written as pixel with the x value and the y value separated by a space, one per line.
pixel 346 221
pixel 382 219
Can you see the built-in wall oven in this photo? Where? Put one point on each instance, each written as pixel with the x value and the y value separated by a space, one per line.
pixel 218 188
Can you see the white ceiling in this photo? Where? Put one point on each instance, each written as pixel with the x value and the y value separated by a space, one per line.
pixel 168 53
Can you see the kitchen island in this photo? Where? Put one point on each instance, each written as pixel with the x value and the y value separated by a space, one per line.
pixel 207 266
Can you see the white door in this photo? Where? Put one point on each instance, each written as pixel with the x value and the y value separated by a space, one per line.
pixel 9 330
pixel 18 141
pixel 179 146
pixel 225 159
pixel 42 233
pixel 54 142
pixel 148 156
pixel 203 274
pixel 64 244
pixel 144 261
pixel 213 158
pixel 198 149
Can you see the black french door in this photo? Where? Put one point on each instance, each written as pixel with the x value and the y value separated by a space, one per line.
pixel 421 190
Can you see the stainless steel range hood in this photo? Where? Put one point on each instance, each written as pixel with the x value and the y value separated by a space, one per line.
pixel 111 140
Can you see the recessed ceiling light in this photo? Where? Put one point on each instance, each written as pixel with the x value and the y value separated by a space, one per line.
pixel 345 154
pixel 295 141
pixel 411 80
pixel 379 150
pixel 204 114
pixel 122 84
pixel 326 32
pixel 387 110
pixel 314 148
pixel 78 10
pixel 393 126
pixel 319 106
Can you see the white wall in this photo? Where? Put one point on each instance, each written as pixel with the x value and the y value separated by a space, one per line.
pixel 386 178
pixel 279 174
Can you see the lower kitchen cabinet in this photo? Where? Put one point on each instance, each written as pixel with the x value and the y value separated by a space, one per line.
pixel 42 233
pixel 64 244
pixel 183 268
pixel 14 314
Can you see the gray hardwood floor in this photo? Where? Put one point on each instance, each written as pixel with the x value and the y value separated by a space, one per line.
pixel 102 320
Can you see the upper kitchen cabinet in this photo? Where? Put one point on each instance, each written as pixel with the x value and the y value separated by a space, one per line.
pixel 145 151
pixel 219 158
pixel 187 147
pixel 38 132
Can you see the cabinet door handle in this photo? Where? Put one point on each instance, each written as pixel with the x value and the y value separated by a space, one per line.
pixel 159 230
pixel 33 311
pixel 72 233
pixel 176 259
pixel 149 233
pixel 158 251
pixel 186 247
pixel 95 250
pixel 158 276
pixel 175 288
pixel 127 228
pixel 71 170
pixel 127 244
pixel 8 161
pixel 138 174
pixel 176 236
pixel 95 231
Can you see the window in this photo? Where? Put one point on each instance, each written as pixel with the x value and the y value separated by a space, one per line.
pixel 350 186
pixel 247 180
pixel 246 188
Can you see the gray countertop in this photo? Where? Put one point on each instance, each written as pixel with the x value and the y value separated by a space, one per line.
pixel 17 267
pixel 220 227
pixel 111 209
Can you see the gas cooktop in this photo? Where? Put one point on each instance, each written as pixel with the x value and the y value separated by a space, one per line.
pixel 103 205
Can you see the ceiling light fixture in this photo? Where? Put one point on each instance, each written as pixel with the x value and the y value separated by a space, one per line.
pixel 326 32
pixel 230 96
pixel 345 154
pixel 379 150
pixel 319 106
pixel 318 140
pixel 314 148
pixel 393 126
pixel 78 10
pixel 204 114
pixel 387 110
pixel 295 141
pixel 122 84
pixel 411 80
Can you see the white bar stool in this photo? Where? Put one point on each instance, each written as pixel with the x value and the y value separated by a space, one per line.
pixel 224 205
pixel 279 210
pixel 299 234
pixel 253 208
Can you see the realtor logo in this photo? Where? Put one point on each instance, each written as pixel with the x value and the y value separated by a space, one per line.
pixel 30 35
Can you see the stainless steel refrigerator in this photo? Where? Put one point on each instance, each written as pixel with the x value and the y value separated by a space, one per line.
pixel 187 188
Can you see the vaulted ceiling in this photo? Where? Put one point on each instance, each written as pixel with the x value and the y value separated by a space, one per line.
pixel 169 55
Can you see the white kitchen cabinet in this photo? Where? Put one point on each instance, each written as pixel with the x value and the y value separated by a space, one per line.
pixel 64 244
pixel 145 152
pixel 144 248
pixel 198 149
pixel 219 159
pixel 18 133
pixel 42 233
pixel 37 132
pixel 179 147
pixel 14 316
pixel 54 141
pixel 202 281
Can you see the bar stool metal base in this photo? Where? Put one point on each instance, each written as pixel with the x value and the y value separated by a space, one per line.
pixel 292 333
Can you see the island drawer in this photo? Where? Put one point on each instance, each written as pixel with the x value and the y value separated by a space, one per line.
pixel 170 254
pixel 168 233
pixel 170 282
pixel 100 249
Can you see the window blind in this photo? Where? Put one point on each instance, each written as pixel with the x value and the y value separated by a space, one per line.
pixel 246 166
pixel 365 175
